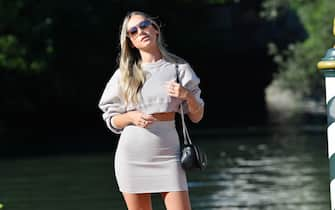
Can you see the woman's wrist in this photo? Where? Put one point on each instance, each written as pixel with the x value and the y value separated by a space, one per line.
pixel 130 117
pixel 196 110
pixel 189 97
pixel 193 105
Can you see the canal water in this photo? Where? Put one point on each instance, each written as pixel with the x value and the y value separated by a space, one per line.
pixel 252 168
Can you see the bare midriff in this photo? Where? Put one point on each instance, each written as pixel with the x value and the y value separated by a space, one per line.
pixel 164 116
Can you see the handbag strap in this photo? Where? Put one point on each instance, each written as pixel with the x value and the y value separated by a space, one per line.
pixel 187 139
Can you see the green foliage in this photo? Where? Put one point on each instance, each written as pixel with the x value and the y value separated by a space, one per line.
pixel 24 43
pixel 12 54
pixel 297 63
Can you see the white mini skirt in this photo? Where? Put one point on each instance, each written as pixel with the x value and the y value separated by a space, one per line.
pixel 147 159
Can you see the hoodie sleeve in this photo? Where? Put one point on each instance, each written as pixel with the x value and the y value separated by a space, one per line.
pixel 111 103
pixel 190 81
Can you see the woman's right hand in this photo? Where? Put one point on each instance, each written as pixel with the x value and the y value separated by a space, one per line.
pixel 141 119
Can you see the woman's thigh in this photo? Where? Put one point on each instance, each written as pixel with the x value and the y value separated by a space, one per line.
pixel 138 201
pixel 176 200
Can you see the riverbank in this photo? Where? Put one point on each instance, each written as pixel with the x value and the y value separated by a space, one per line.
pixel 286 106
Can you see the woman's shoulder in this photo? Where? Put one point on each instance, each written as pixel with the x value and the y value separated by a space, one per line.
pixel 115 76
pixel 116 73
pixel 182 63
pixel 186 72
pixel 185 67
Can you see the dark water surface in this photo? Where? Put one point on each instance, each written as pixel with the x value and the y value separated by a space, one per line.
pixel 255 168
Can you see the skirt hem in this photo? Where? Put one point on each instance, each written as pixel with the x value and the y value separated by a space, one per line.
pixel 153 191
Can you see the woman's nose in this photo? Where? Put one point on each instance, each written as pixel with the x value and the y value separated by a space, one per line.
pixel 140 31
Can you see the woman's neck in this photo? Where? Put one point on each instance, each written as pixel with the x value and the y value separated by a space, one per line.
pixel 150 57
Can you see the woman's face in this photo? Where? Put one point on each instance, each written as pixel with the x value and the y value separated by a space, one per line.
pixel 142 33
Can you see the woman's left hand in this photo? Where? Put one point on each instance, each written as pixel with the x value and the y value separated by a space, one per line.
pixel 176 90
pixel 195 109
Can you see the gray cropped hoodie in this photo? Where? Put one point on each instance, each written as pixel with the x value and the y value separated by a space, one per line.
pixel 154 95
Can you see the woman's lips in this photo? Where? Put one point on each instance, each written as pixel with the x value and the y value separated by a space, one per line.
pixel 144 38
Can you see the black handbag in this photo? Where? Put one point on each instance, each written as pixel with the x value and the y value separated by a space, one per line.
pixel 191 157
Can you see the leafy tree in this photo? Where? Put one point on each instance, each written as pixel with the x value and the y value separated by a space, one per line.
pixel 297 63
pixel 25 43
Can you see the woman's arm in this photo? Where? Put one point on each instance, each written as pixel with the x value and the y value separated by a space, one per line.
pixel 133 117
pixel 196 110
pixel 114 110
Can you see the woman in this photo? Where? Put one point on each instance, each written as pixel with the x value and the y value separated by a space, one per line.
pixel 139 102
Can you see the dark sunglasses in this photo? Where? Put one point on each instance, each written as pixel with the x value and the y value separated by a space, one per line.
pixel 142 25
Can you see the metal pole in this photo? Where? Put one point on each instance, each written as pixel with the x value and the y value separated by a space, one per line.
pixel 327 67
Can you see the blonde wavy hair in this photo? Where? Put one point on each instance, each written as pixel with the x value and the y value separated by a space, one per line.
pixel 132 75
